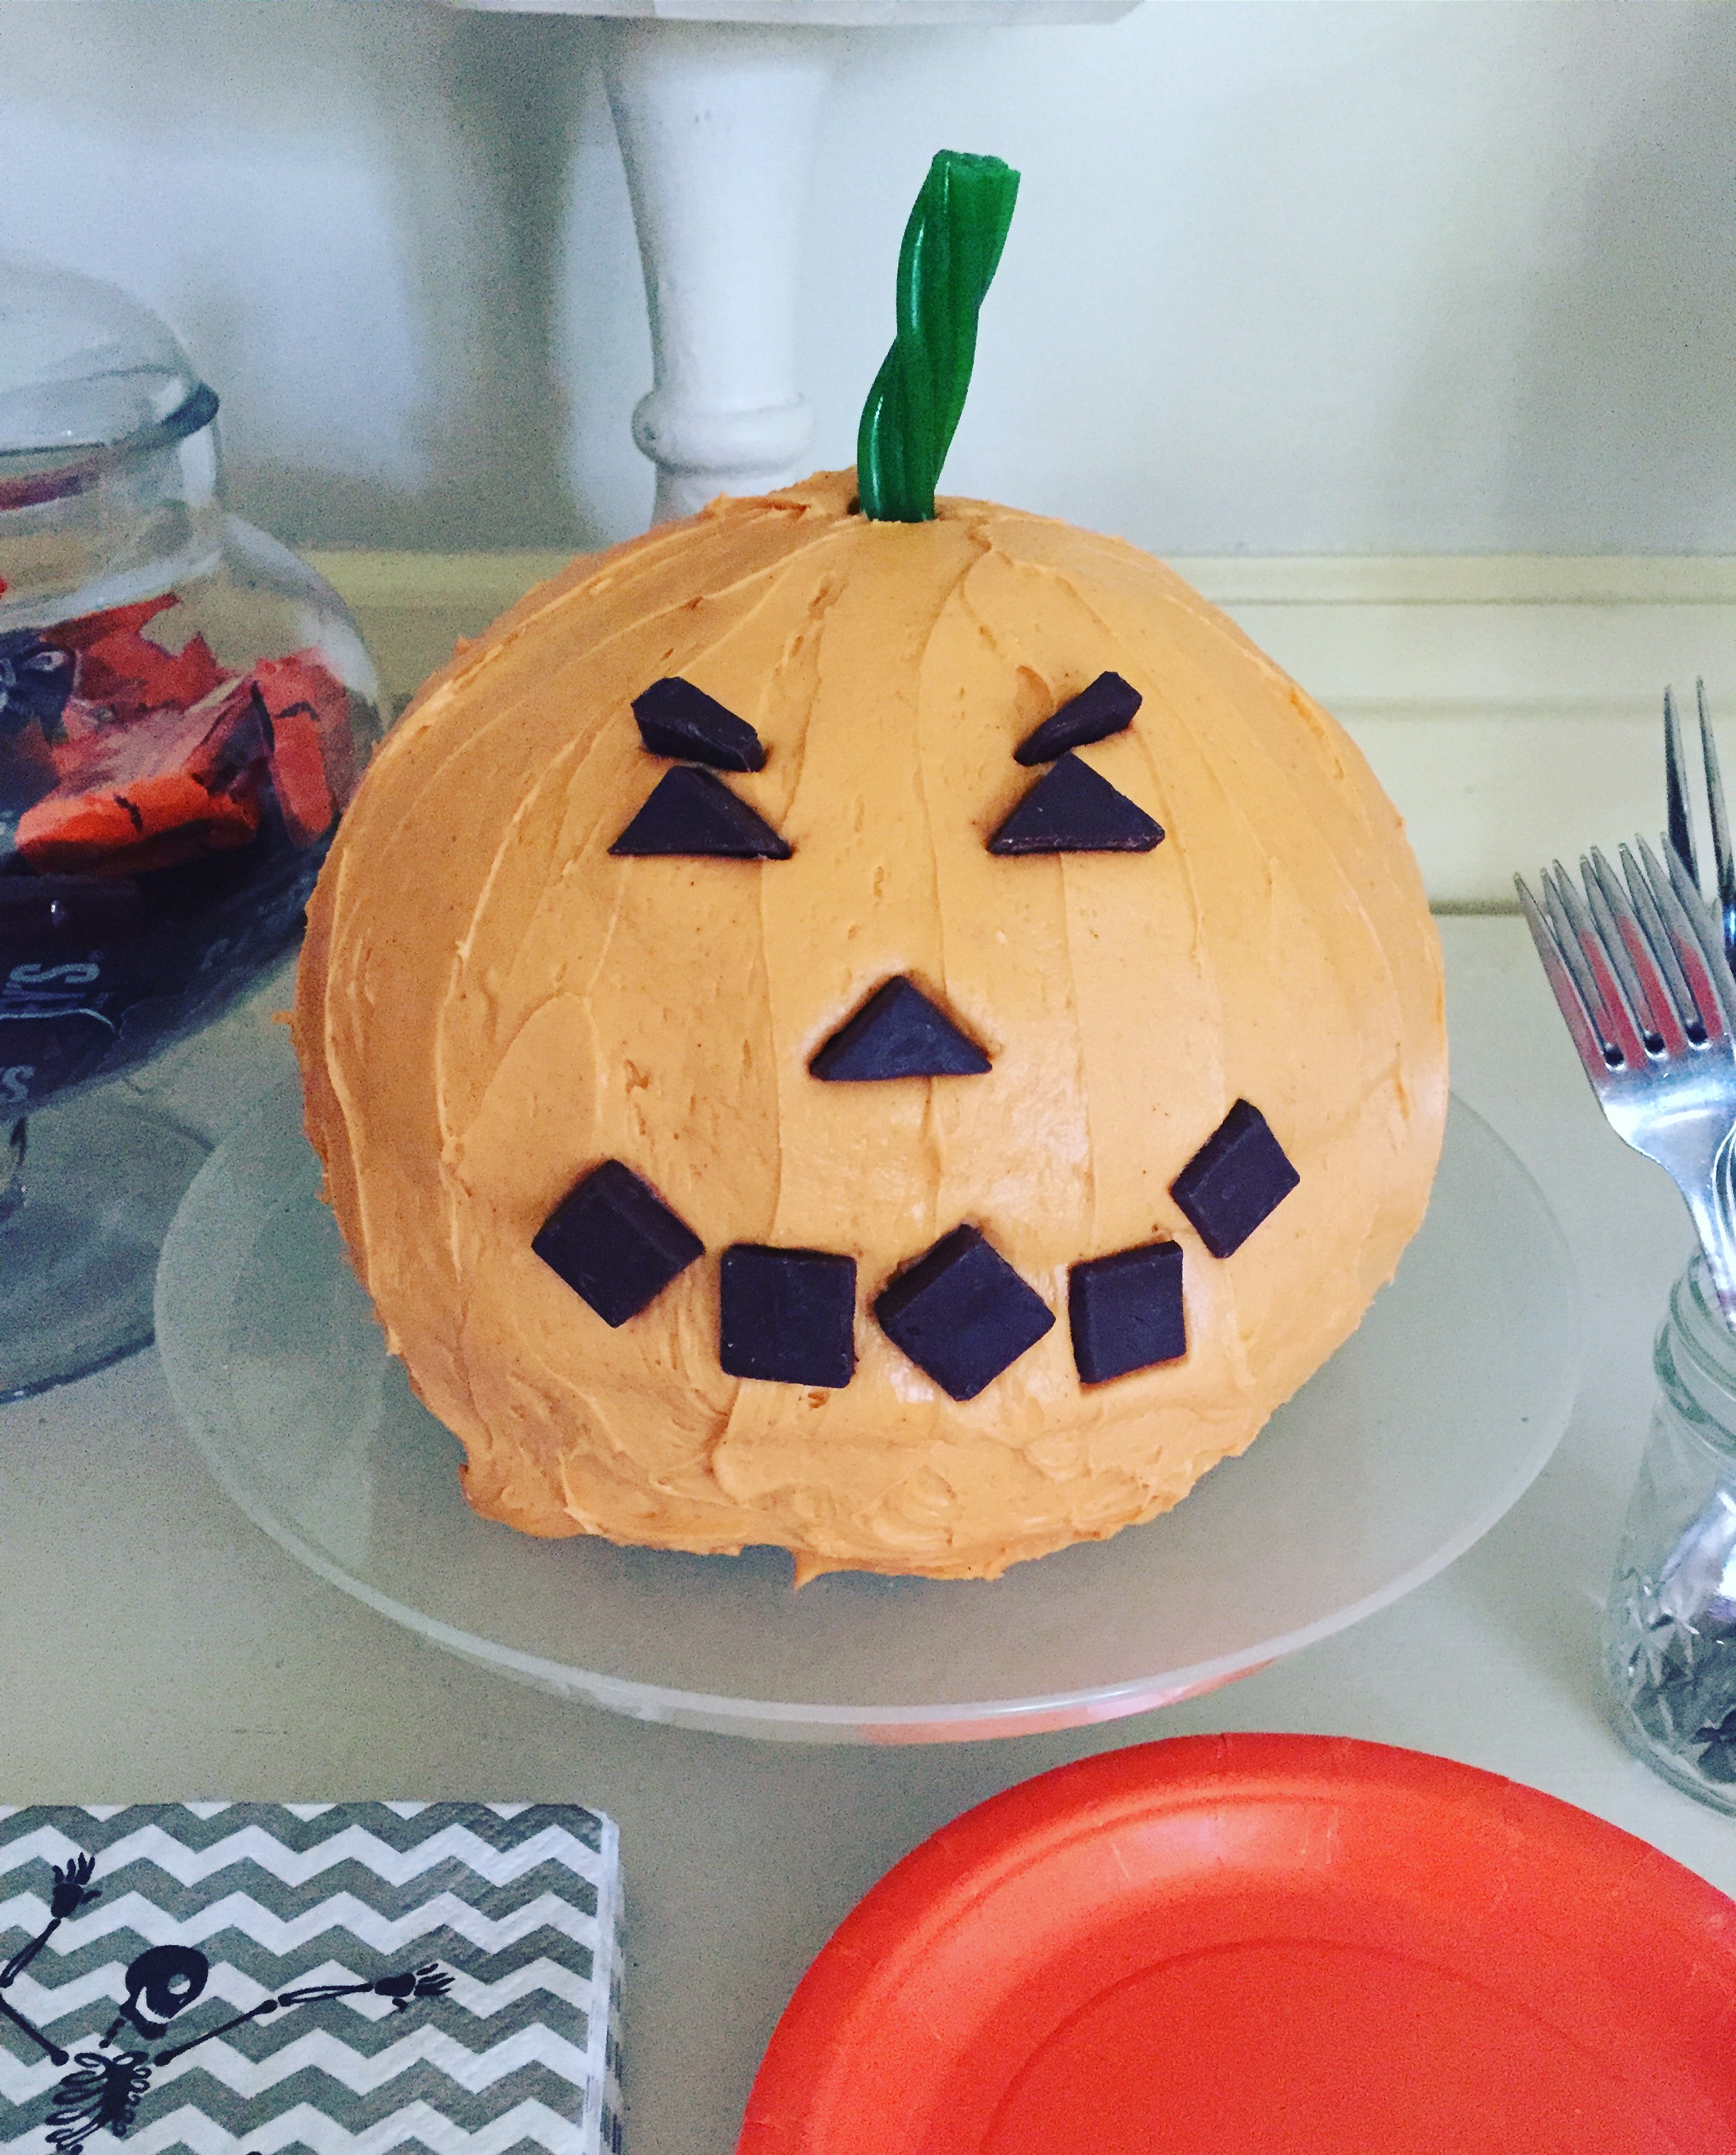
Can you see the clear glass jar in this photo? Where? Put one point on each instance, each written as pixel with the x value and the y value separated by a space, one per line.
pixel 185 710
pixel 185 707
pixel 1669 1633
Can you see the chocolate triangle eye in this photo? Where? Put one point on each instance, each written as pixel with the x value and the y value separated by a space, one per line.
pixel 693 814
pixel 1106 707
pixel 897 1033
pixel 677 719
pixel 1071 810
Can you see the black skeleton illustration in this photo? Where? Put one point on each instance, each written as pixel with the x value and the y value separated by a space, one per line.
pixel 104 2090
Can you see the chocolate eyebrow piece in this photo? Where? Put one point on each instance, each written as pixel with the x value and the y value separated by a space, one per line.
pixel 1106 707
pixel 677 719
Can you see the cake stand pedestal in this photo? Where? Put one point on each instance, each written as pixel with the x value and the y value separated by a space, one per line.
pixel 87 1191
pixel 715 104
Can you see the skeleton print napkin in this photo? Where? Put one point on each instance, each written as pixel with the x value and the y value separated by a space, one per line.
pixel 347 1979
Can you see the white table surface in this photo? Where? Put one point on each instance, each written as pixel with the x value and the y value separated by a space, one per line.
pixel 154 1644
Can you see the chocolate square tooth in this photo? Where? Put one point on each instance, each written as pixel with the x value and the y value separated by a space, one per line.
pixel 693 814
pixel 1126 1311
pixel 787 1317
pixel 1234 1181
pixel 677 719
pixel 614 1241
pixel 962 1313
pixel 1072 810
pixel 1106 707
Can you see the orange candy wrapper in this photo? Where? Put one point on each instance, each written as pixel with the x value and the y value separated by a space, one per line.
pixel 158 756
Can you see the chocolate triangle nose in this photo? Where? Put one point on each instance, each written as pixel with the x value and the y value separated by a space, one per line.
pixel 897 1033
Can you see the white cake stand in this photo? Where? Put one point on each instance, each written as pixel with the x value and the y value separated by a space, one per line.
pixel 715 104
pixel 1414 1441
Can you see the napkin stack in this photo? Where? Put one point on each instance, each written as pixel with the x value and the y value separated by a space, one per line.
pixel 247 1978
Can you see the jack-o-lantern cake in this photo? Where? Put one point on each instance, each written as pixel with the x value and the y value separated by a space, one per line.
pixel 902 1037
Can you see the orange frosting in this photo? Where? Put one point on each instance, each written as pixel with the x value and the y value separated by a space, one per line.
pixel 490 1003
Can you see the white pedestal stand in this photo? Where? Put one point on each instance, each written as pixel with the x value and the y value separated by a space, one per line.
pixel 716 122
pixel 716 105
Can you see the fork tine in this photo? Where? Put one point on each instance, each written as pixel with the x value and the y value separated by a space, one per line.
pixel 1587 1043
pixel 1694 938
pixel 1610 1011
pixel 1726 866
pixel 1645 905
pixel 1642 982
pixel 1567 943
pixel 1682 833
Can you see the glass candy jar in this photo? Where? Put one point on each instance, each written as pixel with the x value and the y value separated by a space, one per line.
pixel 1670 1624
pixel 185 710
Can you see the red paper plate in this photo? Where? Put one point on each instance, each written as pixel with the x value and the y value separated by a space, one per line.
pixel 1266 1945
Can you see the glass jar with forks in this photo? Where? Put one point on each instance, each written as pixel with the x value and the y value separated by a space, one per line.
pixel 1644 970
pixel 1669 1629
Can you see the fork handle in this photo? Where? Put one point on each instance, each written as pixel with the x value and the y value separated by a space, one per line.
pixel 1713 1203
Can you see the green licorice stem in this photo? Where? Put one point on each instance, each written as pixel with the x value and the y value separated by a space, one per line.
pixel 951 249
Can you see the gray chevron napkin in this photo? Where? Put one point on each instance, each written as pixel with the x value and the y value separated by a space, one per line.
pixel 349 1978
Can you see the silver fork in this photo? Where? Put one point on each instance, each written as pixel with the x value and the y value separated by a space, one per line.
pixel 1682 831
pixel 1643 980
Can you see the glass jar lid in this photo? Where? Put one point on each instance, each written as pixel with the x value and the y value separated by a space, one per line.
pixel 87 375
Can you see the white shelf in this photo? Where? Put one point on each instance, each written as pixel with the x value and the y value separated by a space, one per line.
pixel 1510 704
pixel 829 14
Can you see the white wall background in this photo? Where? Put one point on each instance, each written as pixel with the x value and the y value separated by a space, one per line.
pixel 1285 278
